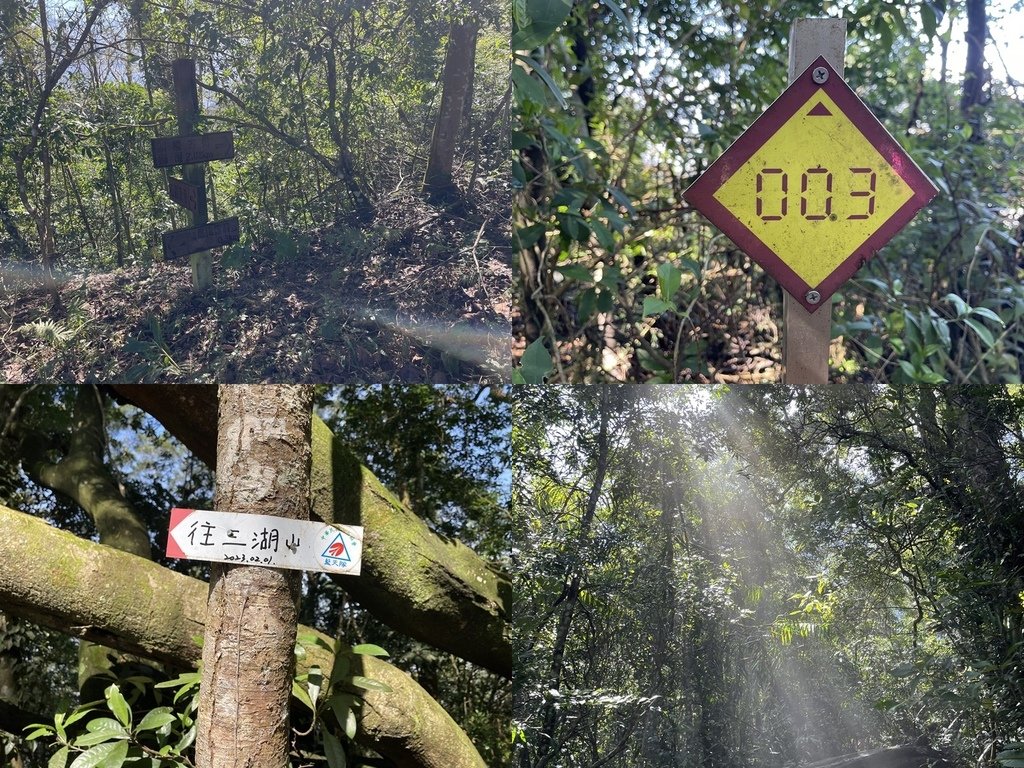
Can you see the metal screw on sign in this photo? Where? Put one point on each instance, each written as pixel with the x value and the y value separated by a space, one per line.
pixel 819 75
pixel 813 297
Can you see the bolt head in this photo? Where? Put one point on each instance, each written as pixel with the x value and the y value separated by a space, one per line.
pixel 813 297
pixel 819 75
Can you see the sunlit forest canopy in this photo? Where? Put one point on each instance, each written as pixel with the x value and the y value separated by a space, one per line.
pixel 768 577
pixel 623 105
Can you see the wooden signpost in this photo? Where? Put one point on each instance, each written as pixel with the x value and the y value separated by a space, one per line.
pixel 811 191
pixel 184 194
pixel 201 148
pixel 182 242
pixel 191 150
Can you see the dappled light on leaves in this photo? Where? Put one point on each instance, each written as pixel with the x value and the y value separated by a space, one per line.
pixel 767 577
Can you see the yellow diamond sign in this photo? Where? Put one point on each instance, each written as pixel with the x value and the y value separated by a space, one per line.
pixel 813 188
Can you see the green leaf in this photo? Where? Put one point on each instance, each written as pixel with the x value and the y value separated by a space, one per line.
pixel 188 678
pixel 186 740
pixel 40 730
pixel 655 306
pixel 536 363
pixel 59 759
pixel 983 333
pixel 368 684
pixel 156 719
pixel 542 73
pixel 669 278
pixel 100 754
pixel 988 314
pixel 528 236
pixel 521 140
pixel 118 705
pixel 116 757
pixel 527 89
pixel 77 715
pixel 300 693
pixel 351 726
pixel 958 303
pixel 315 681
pixel 544 17
pixel 929 22
pixel 105 724
pixel 575 272
pixel 604 235
pixel 334 753
pixel 369 649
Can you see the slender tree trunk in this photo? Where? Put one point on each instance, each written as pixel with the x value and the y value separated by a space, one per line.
pixel 72 186
pixel 974 70
pixel 459 63
pixel 547 747
pixel 263 465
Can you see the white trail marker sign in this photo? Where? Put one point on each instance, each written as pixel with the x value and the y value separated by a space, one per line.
pixel 273 542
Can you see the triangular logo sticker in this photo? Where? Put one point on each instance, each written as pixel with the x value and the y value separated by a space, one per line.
pixel 337 550
pixel 820 110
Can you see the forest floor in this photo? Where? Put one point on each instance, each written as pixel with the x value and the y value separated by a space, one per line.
pixel 422 293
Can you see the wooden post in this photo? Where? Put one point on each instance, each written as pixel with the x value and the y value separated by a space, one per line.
pixel 186 108
pixel 806 336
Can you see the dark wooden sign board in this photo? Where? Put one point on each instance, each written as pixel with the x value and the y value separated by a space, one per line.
pixel 184 194
pixel 182 242
pixel 185 150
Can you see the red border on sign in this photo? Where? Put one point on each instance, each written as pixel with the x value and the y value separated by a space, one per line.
pixel 177 515
pixel 701 193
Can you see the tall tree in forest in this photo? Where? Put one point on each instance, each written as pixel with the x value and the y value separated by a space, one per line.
pixel 61 47
pixel 263 463
pixel 457 79
pixel 975 76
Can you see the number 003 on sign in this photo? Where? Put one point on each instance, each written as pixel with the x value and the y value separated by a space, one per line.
pixel 813 188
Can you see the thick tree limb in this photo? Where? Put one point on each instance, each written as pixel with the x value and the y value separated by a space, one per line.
pixel 89 590
pixel 83 477
pixel 432 589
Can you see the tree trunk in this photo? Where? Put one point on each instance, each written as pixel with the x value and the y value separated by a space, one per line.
pixel 155 612
pixel 248 654
pixel 550 716
pixel 974 70
pixel 459 62
pixel 435 590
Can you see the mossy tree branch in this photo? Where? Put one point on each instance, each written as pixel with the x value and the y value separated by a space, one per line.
pixel 154 612
pixel 430 588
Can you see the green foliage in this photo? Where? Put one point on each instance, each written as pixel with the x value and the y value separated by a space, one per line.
pixel 621 108
pixel 161 737
pixel 441 449
pixel 332 107
pixel 334 707
pixel 814 571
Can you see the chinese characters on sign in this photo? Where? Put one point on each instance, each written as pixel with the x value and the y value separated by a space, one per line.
pixel 275 542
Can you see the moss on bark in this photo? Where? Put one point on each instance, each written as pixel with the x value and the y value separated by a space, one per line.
pixel 433 589
pixel 89 590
